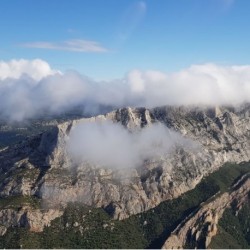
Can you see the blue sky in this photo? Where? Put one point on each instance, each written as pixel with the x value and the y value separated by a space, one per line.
pixel 105 39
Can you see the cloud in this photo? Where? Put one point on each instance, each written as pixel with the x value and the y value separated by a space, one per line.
pixel 25 98
pixel 207 84
pixel 36 69
pixel 75 45
pixel 131 19
pixel 32 88
pixel 110 145
pixel 226 4
pixel 71 30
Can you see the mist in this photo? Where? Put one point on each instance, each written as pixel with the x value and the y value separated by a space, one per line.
pixel 29 89
pixel 111 145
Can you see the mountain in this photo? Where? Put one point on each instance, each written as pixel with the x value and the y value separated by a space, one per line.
pixel 39 179
pixel 200 226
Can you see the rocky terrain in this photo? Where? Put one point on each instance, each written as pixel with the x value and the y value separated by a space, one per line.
pixel 201 225
pixel 41 167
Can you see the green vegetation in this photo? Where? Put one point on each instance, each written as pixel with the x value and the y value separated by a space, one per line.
pixel 234 231
pixel 84 227
pixel 15 202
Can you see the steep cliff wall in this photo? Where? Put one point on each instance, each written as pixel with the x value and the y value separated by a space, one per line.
pixel 42 167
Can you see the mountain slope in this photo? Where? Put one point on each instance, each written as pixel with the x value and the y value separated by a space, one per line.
pixel 87 227
pixel 41 167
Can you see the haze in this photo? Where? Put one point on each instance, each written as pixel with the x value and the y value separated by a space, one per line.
pixel 110 145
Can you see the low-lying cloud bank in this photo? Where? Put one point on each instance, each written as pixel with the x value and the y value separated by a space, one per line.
pixel 30 88
pixel 110 145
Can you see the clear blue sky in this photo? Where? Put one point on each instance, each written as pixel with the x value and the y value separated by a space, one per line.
pixel 105 39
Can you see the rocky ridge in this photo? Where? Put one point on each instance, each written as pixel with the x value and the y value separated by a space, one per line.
pixel 201 225
pixel 41 166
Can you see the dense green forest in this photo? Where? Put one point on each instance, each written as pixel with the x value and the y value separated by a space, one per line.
pixel 85 227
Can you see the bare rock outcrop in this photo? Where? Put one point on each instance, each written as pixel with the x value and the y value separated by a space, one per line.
pixel 199 227
pixel 33 219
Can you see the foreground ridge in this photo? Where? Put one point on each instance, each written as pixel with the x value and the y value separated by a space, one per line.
pixel 200 226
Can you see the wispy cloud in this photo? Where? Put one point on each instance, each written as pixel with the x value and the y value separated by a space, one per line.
pixel 75 45
pixel 227 4
pixel 71 30
pixel 131 19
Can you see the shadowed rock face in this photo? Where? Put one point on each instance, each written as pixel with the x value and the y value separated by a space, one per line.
pixel 42 167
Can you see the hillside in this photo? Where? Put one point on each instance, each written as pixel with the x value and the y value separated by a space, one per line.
pixel 87 227
pixel 40 182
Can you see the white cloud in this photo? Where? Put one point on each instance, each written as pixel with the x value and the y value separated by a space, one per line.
pixel 29 88
pixel 36 69
pixel 131 19
pixel 207 84
pixel 136 81
pixel 76 45
pixel 25 98
pixel 111 145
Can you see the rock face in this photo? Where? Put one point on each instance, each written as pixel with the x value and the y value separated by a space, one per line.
pixel 33 219
pixel 201 225
pixel 42 167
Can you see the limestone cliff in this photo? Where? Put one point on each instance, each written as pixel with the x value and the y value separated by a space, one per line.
pixel 41 166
